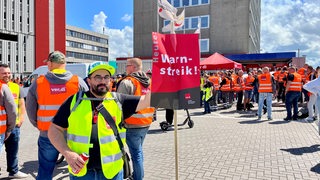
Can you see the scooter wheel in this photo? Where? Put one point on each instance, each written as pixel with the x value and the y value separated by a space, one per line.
pixel 164 126
pixel 190 123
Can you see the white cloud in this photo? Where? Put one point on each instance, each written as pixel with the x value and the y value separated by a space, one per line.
pixel 120 40
pixel 288 25
pixel 126 18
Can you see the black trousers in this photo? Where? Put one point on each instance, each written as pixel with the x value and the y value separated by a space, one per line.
pixel 169 116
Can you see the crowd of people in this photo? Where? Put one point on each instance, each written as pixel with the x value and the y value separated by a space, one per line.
pixel 287 85
pixel 66 110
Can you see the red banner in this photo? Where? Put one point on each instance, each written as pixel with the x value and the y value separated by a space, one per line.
pixel 175 71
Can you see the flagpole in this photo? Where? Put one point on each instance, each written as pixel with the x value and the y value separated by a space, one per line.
pixel 184 27
pixel 157 17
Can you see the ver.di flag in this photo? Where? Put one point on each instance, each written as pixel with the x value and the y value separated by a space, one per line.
pixel 175 71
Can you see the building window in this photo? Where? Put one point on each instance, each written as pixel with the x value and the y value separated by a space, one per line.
pixel 195 2
pixel 204 1
pixel 204 45
pixel 194 22
pixel 204 21
pixel 176 3
pixel 185 3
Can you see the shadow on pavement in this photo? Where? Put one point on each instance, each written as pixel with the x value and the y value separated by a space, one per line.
pixel 279 122
pixel 156 131
pixel 31 168
pixel 302 150
pixel 316 169
pixel 255 121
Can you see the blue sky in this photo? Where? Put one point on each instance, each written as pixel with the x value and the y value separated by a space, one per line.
pixel 286 25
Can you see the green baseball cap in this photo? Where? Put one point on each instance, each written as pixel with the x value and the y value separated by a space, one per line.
pixel 56 57
pixel 101 65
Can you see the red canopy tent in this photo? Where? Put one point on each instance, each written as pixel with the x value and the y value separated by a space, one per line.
pixel 217 61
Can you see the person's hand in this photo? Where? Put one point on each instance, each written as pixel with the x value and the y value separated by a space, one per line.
pixel 19 124
pixel 75 161
pixel 6 136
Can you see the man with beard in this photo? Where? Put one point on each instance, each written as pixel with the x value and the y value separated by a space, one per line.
pixel 44 98
pixel 136 83
pixel 12 143
pixel 87 129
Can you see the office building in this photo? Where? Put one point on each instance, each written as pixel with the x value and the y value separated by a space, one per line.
pixel 85 46
pixel 17 38
pixel 227 26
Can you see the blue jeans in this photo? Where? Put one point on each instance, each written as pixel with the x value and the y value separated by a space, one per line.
pixel 135 138
pixel 12 147
pixel 206 107
pixel 93 174
pixel 292 99
pixel 47 157
pixel 1 142
pixel 268 97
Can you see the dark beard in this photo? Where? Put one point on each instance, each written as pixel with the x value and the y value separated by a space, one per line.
pixel 99 92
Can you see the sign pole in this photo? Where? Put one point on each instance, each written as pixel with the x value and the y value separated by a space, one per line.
pixel 176 143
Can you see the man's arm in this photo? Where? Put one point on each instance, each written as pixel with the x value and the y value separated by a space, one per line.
pixel 10 107
pixel 32 104
pixel 144 101
pixel 56 136
pixel 21 107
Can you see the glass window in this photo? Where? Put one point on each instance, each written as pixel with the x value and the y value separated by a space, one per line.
pixel 185 2
pixel 204 45
pixel 186 24
pixel 204 1
pixel 204 21
pixel 194 23
pixel 195 2
pixel 176 3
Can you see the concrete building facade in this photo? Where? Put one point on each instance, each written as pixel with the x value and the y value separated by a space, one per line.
pixel 85 46
pixel 227 26
pixel 17 38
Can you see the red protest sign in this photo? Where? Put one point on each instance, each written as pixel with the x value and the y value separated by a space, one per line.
pixel 175 71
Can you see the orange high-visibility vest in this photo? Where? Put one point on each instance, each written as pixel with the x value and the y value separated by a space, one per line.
pixel 143 117
pixel 215 81
pixel 281 76
pixel 276 74
pixel 50 98
pixel 3 117
pixel 237 86
pixel 248 83
pixel 265 84
pixel 302 71
pixel 296 84
pixel 226 87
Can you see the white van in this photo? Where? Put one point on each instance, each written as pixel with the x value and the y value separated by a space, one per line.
pixel 80 69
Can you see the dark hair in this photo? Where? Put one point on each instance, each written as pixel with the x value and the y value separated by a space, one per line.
pixel 4 65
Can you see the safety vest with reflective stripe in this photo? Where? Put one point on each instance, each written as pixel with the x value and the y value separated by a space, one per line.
pixel 79 133
pixel 265 83
pixel 143 117
pixel 237 86
pixel 226 86
pixel 296 84
pixel 15 90
pixel 276 74
pixel 50 98
pixel 207 94
pixel 281 76
pixel 3 117
pixel 302 72
pixel 248 83
pixel 215 81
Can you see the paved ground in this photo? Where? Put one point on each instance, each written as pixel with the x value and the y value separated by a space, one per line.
pixel 225 144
